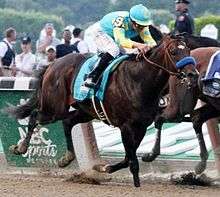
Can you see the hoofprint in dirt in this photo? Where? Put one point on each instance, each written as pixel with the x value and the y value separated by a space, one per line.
pixel 48 185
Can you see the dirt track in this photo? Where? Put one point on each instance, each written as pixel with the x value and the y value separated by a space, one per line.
pixel 35 186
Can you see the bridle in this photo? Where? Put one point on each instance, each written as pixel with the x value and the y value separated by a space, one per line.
pixel 167 57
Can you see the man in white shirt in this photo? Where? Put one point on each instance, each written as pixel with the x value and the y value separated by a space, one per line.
pixel 7 53
pixel 26 61
pixel 79 44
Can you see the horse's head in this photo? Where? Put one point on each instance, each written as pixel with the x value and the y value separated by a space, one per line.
pixel 174 54
pixel 179 64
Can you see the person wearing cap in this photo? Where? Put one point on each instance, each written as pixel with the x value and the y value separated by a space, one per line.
pixel 51 54
pixel 7 52
pixel 26 61
pixel 116 30
pixel 184 21
pixel 51 57
pixel 46 40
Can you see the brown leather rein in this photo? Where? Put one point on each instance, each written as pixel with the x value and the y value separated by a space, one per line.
pixel 161 67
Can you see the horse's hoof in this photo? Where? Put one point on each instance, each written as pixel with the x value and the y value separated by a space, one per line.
pixel 103 168
pixel 137 182
pixel 17 149
pixel 66 159
pixel 14 149
pixel 201 166
pixel 149 157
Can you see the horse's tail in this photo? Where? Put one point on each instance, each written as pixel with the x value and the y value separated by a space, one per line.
pixel 24 110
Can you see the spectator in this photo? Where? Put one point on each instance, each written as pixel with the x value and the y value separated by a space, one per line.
pixel 7 53
pixel 24 62
pixel 78 42
pixel 70 28
pixel 46 40
pixel 51 56
pixel 66 48
pixel 184 21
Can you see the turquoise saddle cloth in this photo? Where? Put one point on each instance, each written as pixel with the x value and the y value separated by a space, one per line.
pixel 79 94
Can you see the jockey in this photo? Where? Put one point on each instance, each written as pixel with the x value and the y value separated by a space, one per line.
pixel 115 31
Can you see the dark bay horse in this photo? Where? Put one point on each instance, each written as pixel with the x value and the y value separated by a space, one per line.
pixel 194 42
pixel 177 108
pixel 182 101
pixel 135 86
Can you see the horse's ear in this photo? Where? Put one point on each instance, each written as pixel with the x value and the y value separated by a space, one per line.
pixel 155 33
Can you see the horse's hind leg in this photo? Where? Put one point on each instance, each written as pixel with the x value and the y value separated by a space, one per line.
pixel 74 118
pixel 22 147
pixel 69 156
pixel 200 116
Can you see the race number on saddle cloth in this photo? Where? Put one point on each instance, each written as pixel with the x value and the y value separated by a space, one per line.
pixel 211 80
pixel 79 93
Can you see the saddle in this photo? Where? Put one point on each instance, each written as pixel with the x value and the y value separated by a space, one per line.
pixel 79 94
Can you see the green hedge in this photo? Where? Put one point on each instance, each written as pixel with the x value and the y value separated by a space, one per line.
pixel 201 22
pixel 27 22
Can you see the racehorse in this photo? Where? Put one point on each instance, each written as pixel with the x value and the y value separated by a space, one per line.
pixel 135 86
pixel 192 42
pixel 183 100
pixel 177 108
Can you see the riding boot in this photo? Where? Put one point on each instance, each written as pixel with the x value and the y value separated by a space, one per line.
pixel 94 76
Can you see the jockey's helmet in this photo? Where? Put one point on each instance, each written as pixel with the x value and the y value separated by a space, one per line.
pixel 140 15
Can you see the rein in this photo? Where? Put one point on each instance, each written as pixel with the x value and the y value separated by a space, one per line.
pixel 161 67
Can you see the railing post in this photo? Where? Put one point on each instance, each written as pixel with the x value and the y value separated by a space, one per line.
pixel 85 146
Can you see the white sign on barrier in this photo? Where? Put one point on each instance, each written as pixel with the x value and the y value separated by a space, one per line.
pixel 209 31
pixel 164 29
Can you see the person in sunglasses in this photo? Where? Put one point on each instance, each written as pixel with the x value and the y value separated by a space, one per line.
pixel 116 31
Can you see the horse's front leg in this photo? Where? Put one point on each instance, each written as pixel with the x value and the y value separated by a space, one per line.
pixel 131 138
pixel 199 116
pixel 149 157
pixel 22 147
pixel 106 168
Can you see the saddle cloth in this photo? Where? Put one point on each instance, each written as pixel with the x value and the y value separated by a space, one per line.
pixel 79 94
pixel 211 80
